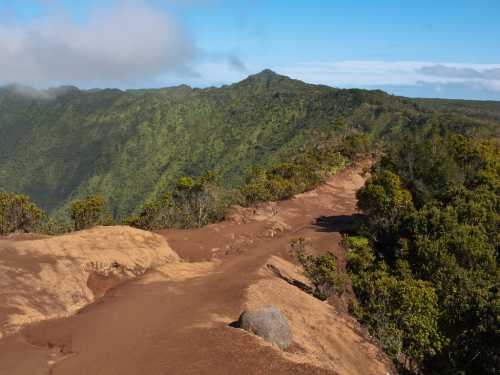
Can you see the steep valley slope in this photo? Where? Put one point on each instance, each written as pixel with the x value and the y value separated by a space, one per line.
pixel 130 146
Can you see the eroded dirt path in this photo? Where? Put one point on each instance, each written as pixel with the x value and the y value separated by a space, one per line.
pixel 175 320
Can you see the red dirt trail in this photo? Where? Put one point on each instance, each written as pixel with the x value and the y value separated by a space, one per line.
pixel 181 326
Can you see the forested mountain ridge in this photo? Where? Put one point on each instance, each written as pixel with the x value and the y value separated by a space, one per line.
pixel 129 146
pixel 482 109
pixel 421 258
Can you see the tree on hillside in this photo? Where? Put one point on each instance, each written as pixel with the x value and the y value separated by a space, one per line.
pixel 194 202
pixel 89 212
pixel 18 213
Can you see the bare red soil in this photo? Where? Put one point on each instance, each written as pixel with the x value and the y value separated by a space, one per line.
pixel 175 320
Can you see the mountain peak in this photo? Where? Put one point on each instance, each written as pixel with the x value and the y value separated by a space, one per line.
pixel 267 79
pixel 266 73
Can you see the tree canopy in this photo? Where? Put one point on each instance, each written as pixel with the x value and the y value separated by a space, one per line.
pixel 427 274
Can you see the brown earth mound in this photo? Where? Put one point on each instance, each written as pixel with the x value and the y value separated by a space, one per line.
pixel 54 277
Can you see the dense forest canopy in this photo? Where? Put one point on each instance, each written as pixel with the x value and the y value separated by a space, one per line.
pixel 425 269
pixel 131 146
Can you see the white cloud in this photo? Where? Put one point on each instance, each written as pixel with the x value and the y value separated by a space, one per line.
pixel 466 72
pixel 401 77
pixel 372 73
pixel 211 73
pixel 125 44
pixel 134 44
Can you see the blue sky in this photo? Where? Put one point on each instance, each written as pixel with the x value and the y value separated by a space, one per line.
pixel 417 48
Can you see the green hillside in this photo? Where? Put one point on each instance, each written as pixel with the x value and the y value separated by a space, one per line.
pixel 129 146
pixel 489 110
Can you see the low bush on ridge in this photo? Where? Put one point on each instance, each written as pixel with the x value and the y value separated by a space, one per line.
pixel 192 204
pixel 18 214
pixel 89 212
pixel 284 180
pixel 321 270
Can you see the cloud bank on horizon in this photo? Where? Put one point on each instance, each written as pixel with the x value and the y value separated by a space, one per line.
pixel 407 78
pixel 411 78
pixel 121 44
pixel 138 44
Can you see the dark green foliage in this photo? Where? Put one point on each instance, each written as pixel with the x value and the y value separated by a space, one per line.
pixel 356 147
pixel 18 213
pixel 384 198
pixel 402 312
pixel 89 212
pixel 192 204
pixel 304 172
pixel 433 219
pixel 154 215
pixel 482 109
pixel 321 270
pixel 197 202
pixel 360 257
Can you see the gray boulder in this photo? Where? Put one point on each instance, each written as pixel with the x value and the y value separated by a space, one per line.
pixel 269 323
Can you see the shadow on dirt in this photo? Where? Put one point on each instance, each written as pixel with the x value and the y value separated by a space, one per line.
pixel 341 223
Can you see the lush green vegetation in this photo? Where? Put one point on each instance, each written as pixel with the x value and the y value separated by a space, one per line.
pixel 303 172
pixel 195 202
pixel 192 204
pixel 479 109
pixel 132 146
pixel 425 270
pixel 18 214
pixel 321 270
pixel 89 212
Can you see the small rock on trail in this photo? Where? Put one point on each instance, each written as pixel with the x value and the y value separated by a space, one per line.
pixel 268 323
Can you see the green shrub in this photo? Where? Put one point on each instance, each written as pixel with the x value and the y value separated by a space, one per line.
pixel 384 195
pixel 282 181
pixel 51 226
pixel 155 215
pixel 18 213
pixel 89 212
pixel 321 270
pixel 360 256
pixel 402 313
pixel 192 204
pixel 355 147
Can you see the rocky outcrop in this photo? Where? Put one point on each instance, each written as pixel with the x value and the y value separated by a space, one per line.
pixel 322 336
pixel 268 323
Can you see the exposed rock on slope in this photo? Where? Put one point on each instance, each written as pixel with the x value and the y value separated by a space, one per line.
pixel 54 277
pixel 268 323
pixel 321 336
